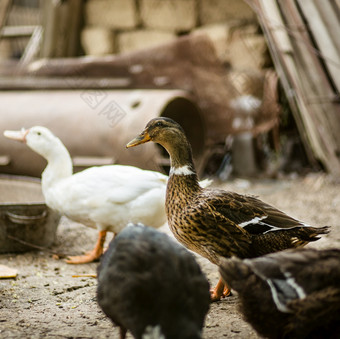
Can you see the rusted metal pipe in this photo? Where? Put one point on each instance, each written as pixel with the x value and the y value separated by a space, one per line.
pixel 96 124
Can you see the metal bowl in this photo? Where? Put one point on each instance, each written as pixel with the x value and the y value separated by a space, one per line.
pixel 26 223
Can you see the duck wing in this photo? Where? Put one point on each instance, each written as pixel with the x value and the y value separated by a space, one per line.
pixel 107 194
pixel 273 219
pixel 252 214
pixel 310 269
pixel 215 231
pixel 118 184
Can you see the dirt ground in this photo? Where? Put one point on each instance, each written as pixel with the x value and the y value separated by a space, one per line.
pixel 45 301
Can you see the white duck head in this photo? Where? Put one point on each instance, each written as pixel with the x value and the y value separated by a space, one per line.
pixel 42 141
pixel 39 139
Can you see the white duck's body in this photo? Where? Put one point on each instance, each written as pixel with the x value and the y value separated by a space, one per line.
pixel 109 197
pixel 104 197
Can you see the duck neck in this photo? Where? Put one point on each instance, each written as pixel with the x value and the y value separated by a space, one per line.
pixel 182 165
pixel 59 166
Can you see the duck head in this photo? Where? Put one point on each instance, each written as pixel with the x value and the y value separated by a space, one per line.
pixel 39 139
pixel 159 130
pixel 169 134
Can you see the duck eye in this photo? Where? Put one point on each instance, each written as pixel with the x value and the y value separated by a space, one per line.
pixel 38 133
pixel 158 124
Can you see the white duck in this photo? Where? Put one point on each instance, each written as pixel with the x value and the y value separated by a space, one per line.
pixel 104 197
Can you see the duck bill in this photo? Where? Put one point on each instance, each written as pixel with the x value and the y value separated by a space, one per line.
pixel 16 135
pixel 140 139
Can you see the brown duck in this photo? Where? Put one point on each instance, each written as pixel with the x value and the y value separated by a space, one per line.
pixel 290 294
pixel 216 223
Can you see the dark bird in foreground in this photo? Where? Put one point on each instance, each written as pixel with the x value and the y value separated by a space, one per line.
pixel 290 294
pixel 216 223
pixel 151 285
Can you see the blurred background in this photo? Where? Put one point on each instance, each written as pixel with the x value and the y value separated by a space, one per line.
pixel 255 84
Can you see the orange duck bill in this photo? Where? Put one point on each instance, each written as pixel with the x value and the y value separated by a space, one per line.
pixel 140 139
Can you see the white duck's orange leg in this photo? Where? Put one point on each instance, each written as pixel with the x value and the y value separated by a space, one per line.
pixel 95 254
pixel 220 290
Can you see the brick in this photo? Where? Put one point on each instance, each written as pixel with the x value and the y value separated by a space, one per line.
pixel 248 52
pixel 219 35
pixel 113 14
pixel 176 15
pixel 97 41
pixel 135 40
pixel 215 11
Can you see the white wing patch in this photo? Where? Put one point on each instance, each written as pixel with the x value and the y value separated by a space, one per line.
pixel 275 228
pixel 298 289
pixel 252 221
pixel 266 227
pixel 283 289
pixel 275 295
pixel 289 290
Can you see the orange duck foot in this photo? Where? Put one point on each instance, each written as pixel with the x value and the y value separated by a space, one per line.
pixel 82 259
pixel 92 256
pixel 220 291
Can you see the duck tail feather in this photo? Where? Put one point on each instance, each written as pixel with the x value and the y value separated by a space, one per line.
pixel 313 236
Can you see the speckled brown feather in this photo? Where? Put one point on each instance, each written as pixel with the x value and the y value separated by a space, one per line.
pixel 199 225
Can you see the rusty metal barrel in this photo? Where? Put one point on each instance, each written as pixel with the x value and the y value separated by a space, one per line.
pixel 95 126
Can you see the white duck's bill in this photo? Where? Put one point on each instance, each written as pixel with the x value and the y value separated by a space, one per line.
pixel 16 135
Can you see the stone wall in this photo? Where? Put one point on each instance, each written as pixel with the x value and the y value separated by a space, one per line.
pixel 118 26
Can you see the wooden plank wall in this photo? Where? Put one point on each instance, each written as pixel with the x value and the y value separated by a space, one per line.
pixel 303 39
